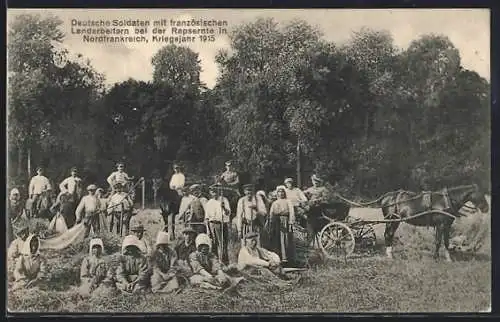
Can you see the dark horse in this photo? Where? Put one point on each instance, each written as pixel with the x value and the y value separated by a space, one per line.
pixel 40 207
pixel 67 208
pixel 440 208
pixel 170 201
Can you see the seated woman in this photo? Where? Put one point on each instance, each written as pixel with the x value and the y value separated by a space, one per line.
pixel 164 262
pixel 132 272
pixel 30 266
pixel 208 272
pixel 16 245
pixel 93 271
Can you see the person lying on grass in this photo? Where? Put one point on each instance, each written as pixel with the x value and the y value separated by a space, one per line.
pixel 30 266
pixel 94 270
pixel 252 256
pixel 259 264
pixel 164 265
pixel 132 271
pixel 208 272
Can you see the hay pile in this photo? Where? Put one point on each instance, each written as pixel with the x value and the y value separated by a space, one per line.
pixel 470 236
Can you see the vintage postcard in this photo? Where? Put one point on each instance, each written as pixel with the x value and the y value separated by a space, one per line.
pixel 243 160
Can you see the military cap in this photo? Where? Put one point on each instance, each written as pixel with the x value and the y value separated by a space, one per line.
pixel 136 227
pixel 251 235
pixel 248 186
pixel 189 230
pixel 92 187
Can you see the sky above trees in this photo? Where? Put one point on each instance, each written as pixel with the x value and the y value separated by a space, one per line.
pixel 468 29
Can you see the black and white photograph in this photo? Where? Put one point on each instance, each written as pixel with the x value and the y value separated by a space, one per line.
pixel 248 161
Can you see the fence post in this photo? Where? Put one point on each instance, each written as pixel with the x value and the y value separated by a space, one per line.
pixel 143 192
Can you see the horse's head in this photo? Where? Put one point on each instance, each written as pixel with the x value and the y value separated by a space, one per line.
pixel 471 193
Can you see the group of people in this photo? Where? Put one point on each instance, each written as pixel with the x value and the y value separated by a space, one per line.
pixel 201 255
pixel 165 268
pixel 271 216
pixel 95 209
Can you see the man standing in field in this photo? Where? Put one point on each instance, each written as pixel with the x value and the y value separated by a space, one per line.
pixel 217 211
pixel 37 186
pixel 250 210
pixel 88 210
pixel 71 187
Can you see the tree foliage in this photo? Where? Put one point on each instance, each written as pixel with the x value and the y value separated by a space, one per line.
pixel 367 115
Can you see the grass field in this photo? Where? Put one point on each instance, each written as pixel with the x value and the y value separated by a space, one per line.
pixel 412 282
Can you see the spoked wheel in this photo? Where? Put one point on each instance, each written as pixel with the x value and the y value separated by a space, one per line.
pixel 336 240
pixel 365 237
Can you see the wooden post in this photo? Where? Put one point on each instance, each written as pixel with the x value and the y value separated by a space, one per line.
pixel 29 162
pixel 143 192
pixel 299 170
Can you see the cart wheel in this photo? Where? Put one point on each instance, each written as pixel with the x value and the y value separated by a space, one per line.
pixel 364 236
pixel 336 240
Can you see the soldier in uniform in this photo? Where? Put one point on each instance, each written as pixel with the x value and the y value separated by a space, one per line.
pixel 119 176
pixel 318 196
pixel 230 177
pixel 120 209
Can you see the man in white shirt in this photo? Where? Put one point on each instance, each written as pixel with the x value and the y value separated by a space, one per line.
pixel 178 179
pixel 88 210
pixel 37 186
pixel 184 208
pixel 250 209
pixel 217 211
pixel 294 194
pixel 70 186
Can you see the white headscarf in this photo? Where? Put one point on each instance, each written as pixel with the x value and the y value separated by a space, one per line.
pixel 26 249
pixel 94 242
pixel 14 192
pixel 203 239
pixel 131 240
pixel 162 238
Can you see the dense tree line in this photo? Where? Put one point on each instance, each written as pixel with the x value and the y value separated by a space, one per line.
pixel 370 117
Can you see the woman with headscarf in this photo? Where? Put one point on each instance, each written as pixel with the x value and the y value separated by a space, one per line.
pixel 282 218
pixel 164 264
pixel 93 271
pixel 208 272
pixel 16 207
pixel 15 247
pixel 133 268
pixel 30 266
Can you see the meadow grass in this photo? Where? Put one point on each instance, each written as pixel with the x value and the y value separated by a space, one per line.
pixel 412 282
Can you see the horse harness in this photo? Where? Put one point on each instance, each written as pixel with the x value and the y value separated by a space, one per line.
pixel 426 202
